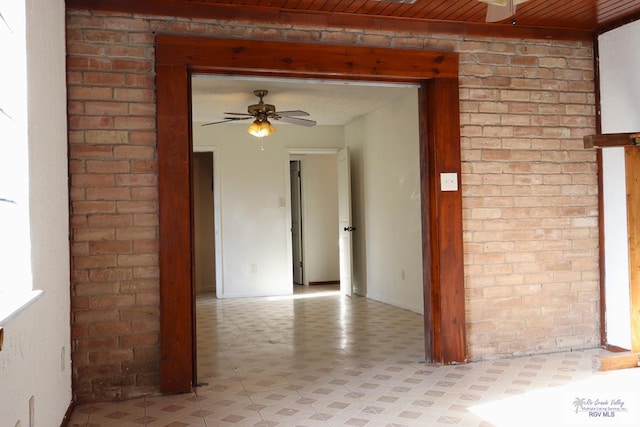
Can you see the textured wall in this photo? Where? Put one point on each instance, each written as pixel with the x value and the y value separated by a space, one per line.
pixel 530 191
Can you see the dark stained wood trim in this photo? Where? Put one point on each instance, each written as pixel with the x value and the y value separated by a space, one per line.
pixel 358 62
pixel 596 78
pixel 175 216
pixel 271 15
pixel 601 253
pixel 615 348
pixel 67 415
pixel 432 328
pixel 436 72
pixel 632 168
pixel 444 224
pixel 610 140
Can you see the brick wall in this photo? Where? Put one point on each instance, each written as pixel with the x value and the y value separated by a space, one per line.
pixel 530 191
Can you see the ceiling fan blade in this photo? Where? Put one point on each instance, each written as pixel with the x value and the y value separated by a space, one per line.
pixel 296 121
pixel 239 114
pixel 499 13
pixel 499 10
pixel 290 113
pixel 226 119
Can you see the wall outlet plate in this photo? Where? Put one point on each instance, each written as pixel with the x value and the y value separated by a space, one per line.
pixel 449 181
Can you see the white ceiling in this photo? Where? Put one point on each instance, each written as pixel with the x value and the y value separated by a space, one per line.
pixel 327 102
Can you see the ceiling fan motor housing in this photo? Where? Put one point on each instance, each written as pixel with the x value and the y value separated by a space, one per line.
pixel 261 107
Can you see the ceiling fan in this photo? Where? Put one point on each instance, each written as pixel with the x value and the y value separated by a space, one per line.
pixel 499 10
pixel 261 113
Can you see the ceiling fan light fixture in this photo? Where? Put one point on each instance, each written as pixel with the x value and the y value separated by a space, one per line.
pixel 261 128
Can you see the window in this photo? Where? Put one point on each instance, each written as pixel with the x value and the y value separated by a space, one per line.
pixel 15 246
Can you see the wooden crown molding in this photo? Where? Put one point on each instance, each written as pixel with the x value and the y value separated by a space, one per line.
pixel 271 15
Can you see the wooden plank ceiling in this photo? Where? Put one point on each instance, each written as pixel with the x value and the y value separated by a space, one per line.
pixel 560 19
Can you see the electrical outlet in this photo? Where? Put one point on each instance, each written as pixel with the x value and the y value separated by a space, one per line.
pixel 449 181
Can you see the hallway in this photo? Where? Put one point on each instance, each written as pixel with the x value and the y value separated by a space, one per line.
pixel 319 359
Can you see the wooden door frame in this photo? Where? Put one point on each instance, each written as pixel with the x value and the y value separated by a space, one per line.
pixel 177 57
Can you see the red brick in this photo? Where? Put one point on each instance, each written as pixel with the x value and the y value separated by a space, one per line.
pixel 109 247
pixel 105 36
pixel 108 193
pixel 103 79
pixel 107 137
pixel 90 122
pixel 90 151
pixel 146 272
pixel 142 137
pixel 110 274
pixel 143 180
pixel 93 234
pixel 106 108
pixel 137 260
pixel 111 356
pixel 133 95
pixel 135 233
pixel 97 343
pixel 115 220
pixel 108 166
pixel 95 261
pixel 93 207
pixel 140 66
pixel 144 193
pixel 109 328
pixel 96 288
pixel 132 122
pixel 92 180
pixel 137 206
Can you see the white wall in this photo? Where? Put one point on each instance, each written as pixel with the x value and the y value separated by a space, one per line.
pixel 255 203
pixel 387 203
pixel 619 52
pixel 320 213
pixel 620 104
pixel 35 359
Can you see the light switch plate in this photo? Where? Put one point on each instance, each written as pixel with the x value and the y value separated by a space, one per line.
pixel 449 181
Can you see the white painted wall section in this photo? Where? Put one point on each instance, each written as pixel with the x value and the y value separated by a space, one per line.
pixel 35 360
pixel 616 265
pixel 620 104
pixel 619 79
pixel 255 203
pixel 385 145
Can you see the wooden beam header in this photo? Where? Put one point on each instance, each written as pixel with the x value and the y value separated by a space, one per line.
pixel 258 57
pixel 611 140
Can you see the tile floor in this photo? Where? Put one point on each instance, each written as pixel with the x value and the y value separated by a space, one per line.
pixel 320 359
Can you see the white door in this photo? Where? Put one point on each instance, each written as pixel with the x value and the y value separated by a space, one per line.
pixel 344 217
pixel 296 221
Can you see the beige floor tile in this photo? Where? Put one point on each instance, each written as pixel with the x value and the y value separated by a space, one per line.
pixel 320 359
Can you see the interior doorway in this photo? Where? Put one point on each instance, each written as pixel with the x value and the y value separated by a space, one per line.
pixel 295 177
pixel 203 223
pixel 313 183
pixel 436 73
